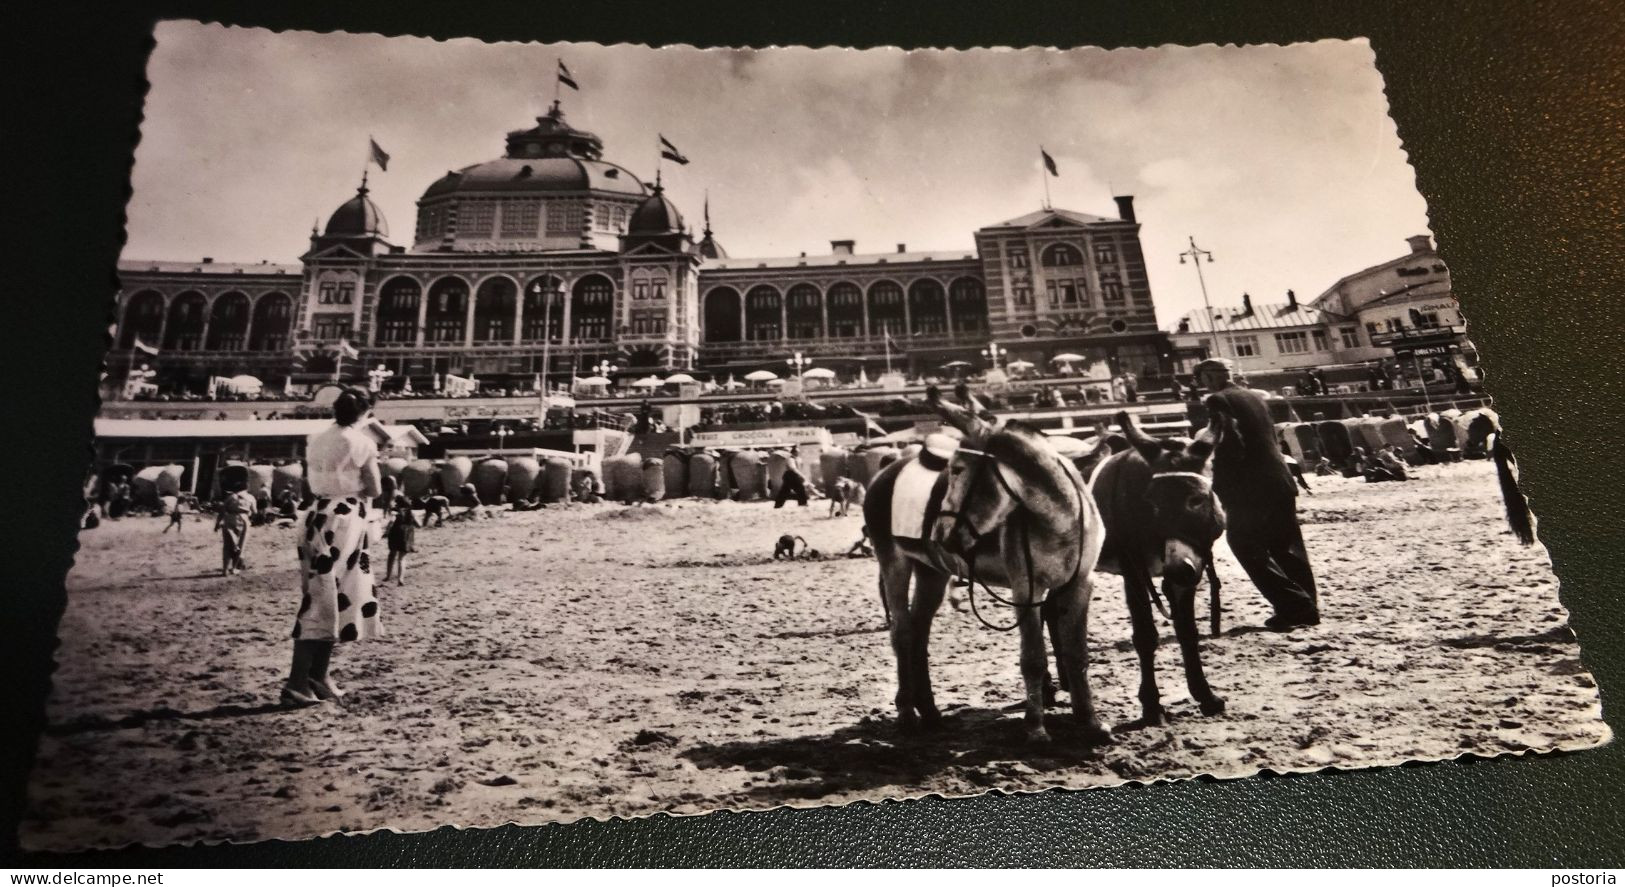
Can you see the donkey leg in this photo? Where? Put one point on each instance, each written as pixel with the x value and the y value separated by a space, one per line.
pixel 1137 589
pixel 1072 651
pixel 1033 666
pixel 895 570
pixel 929 588
pixel 1184 613
pixel 1052 621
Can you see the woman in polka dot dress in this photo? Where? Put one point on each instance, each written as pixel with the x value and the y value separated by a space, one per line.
pixel 337 602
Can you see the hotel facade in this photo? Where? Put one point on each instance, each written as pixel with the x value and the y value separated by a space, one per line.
pixel 551 259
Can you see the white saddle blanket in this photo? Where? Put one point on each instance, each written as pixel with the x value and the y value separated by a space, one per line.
pixel 910 497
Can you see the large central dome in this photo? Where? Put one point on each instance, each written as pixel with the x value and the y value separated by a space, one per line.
pixel 552 191
pixel 510 175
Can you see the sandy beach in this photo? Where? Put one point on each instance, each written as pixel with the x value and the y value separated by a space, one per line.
pixel 593 661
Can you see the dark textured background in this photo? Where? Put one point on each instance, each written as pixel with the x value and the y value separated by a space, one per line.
pixel 1514 117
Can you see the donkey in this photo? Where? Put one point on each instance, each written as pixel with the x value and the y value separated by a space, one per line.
pixel 1004 508
pixel 1161 518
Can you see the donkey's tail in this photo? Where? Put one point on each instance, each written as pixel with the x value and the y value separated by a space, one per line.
pixel 1519 517
pixel 884 603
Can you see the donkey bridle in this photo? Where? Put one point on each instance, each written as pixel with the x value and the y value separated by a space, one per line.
pixel 1026 543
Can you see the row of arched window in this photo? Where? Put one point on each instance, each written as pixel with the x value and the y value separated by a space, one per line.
pixel 845 311
pixel 189 322
pixel 541 310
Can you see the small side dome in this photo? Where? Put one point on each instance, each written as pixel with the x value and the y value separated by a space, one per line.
pixel 710 249
pixel 357 217
pixel 655 215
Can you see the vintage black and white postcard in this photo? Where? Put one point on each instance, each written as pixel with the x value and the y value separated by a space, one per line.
pixel 529 432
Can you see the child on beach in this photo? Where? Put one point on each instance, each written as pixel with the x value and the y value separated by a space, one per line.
pixel 232 524
pixel 403 527
pixel 177 515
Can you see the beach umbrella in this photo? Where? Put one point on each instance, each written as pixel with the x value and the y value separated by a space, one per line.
pixel 1020 365
pixel 1068 357
pixel 648 382
pixel 819 373
pixel 245 384
pixel 760 376
pixel 953 364
pixel 592 380
pixel 773 383
pixel 732 382
pixel 679 379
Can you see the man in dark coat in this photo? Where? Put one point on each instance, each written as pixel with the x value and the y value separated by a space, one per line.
pixel 1260 501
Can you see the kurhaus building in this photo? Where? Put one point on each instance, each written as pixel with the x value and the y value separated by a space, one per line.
pixel 552 253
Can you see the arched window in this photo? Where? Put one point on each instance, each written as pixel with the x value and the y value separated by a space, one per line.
pixel 1062 255
pixel 143 319
pixel 273 318
pixel 885 308
pixel 722 315
pixel 183 331
pixel 763 317
pixel 544 308
pixel 228 323
pixel 927 308
pixel 448 311
pixel 493 310
pixel 845 310
pixel 805 310
pixel 967 302
pixel 398 302
pixel 592 309
pixel 648 283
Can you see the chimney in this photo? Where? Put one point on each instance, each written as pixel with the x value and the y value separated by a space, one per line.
pixel 841 247
pixel 1125 207
pixel 1246 305
pixel 1291 300
pixel 902 247
pixel 1421 243
pixel 208 260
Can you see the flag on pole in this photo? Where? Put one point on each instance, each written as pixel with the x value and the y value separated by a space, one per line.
pixel 1049 162
pixel 144 348
pixel 670 152
pixel 379 156
pixel 565 78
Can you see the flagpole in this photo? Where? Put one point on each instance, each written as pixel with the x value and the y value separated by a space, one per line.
pixel 558 65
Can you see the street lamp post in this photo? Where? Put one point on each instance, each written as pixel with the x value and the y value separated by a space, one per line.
pixel 994 354
pixel 800 363
pixel 1196 253
pixel 378 376
pixel 547 332
pixel 502 433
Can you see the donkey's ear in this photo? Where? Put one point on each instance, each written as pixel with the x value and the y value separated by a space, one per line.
pixel 1221 426
pixel 959 417
pixel 1147 445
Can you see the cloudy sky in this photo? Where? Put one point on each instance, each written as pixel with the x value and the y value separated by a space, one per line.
pixel 1281 160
